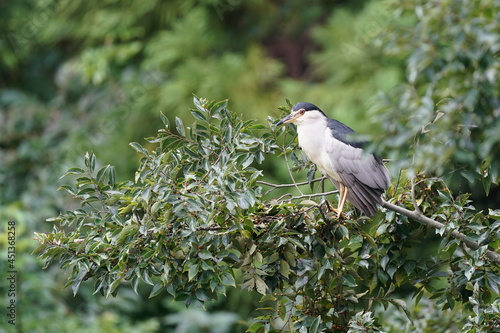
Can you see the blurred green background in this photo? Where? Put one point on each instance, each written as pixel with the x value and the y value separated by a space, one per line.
pixel 79 76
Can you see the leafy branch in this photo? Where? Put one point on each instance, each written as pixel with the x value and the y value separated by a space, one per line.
pixel 443 229
pixel 196 221
pixel 416 215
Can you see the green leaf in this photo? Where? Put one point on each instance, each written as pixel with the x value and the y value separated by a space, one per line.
pixel 198 104
pixel 202 295
pixel 260 285
pixel 228 280
pixel 205 255
pixel 344 231
pixel 90 161
pixel 399 303
pixel 68 189
pixel 73 171
pixel 138 148
pixel 193 271
pixel 78 280
pixel 87 190
pixel 198 115
pixel 247 161
pixel 315 325
pixel 164 120
pixel 112 175
pixel 242 202
pixel 102 172
pixel 113 286
pixel 301 281
pixel 256 327
pixel 348 280
pixel 157 289
pixel 284 268
pixel 310 177
pixel 486 183
pixel 179 126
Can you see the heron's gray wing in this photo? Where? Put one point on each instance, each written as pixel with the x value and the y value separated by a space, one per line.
pixel 364 175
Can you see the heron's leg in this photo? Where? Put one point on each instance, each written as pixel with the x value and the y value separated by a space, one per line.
pixel 342 198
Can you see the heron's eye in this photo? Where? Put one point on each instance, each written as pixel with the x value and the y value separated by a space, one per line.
pixel 302 111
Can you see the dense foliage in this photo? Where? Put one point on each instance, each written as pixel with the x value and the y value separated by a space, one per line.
pixel 79 76
pixel 197 221
pixel 447 115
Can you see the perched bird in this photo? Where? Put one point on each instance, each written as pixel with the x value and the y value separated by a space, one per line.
pixel 361 178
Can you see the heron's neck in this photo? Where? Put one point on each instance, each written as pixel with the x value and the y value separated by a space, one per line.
pixel 311 135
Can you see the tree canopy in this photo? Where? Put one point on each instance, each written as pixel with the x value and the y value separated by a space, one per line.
pixel 217 208
pixel 196 219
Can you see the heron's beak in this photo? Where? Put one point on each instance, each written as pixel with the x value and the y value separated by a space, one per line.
pixel 288 119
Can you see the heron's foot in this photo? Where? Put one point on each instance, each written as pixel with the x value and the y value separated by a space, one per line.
pixel 340 215
pixel 335 210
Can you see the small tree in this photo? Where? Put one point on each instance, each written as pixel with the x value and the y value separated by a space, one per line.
pixel 197 220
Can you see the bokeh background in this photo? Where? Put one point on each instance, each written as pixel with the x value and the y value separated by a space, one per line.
pixel 78 76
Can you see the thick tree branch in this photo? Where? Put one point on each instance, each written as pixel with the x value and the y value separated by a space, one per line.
pixel 415 215
pixel 438 225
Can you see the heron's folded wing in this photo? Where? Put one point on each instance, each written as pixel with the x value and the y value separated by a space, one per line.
pixel 352 164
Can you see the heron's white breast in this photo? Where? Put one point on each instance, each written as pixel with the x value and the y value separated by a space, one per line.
pixel 313 138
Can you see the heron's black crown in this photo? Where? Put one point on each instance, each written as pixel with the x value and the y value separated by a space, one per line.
pixel 339 130
pixel 306 106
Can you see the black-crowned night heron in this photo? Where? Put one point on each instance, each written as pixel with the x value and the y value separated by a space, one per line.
pixel 361 178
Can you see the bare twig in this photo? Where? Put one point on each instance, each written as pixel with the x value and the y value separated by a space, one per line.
pixel 307 195
pixel 275 186
pixel 291 175
pixel 413 198
pixel 419 217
